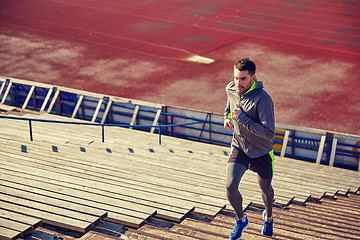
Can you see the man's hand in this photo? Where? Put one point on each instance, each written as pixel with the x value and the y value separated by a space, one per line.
pixel 236 112
pixel 228 124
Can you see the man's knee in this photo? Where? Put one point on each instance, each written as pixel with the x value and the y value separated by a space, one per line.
pixel 268 191
pixel 232 187
pixel 266 187
pixel 234 174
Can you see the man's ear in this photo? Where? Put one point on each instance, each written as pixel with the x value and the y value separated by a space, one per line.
pixel 253 77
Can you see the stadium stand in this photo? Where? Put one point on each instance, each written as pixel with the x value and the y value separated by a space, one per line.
pixel 67 178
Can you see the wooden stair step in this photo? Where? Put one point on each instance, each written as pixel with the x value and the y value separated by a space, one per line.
pixel 9 234
pixel 45 213
pixel 23 228
pixel 101 184
pixel 18 225
pixel 195 200
pixel 78 194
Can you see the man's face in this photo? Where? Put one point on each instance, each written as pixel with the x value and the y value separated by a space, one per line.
pixel 243 80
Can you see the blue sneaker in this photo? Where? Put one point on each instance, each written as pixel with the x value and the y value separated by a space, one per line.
pixel 239 227
pixel 268 226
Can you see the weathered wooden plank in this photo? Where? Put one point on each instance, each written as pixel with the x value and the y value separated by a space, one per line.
pixel 48 217
pixel 9 234
pixel 48 200
pixel 23 228
pixel 49 208
pixel 130 221
pixel 34 222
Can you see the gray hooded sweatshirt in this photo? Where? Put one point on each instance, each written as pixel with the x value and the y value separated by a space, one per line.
pixel 254 128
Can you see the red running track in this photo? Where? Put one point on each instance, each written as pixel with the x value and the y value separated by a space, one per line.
pixel 307 52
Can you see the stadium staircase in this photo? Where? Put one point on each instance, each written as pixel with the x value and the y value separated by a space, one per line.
pixel 68 184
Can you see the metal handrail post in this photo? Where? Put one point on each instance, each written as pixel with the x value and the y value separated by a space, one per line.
pixel 159 135
pixel 103 132
pixel 30 128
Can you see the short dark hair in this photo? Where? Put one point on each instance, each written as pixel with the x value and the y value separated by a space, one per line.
pixel 246 64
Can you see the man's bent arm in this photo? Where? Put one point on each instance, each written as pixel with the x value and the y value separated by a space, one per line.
pixel 266 128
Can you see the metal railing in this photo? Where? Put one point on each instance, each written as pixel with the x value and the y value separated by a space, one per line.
pixel 30 120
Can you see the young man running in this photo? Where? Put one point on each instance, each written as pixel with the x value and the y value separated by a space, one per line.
pixel 250 112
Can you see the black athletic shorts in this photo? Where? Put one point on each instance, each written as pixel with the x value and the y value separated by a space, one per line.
pixel 263 165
